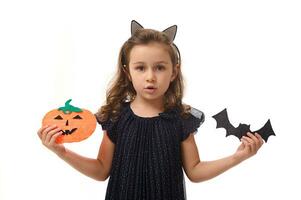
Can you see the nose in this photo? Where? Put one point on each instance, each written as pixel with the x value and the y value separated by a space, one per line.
pixel 150 76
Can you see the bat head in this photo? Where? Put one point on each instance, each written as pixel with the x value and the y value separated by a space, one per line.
pixel 243 129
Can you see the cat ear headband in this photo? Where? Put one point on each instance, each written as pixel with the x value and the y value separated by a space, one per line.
pixel 170 33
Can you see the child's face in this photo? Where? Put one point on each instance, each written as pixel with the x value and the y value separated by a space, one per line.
pixel 151 70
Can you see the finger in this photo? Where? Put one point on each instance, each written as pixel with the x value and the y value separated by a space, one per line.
pixel 249 139
pixel 41 130
pixel 259 138
pixel 54 137
pixel 261 141
pixel 46 131
pixel 251 135
pixel 244 141
pixel 250 142
pixel 254 138
pixel 50 135
pixel 246 145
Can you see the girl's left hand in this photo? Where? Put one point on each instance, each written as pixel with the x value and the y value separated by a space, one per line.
pixel 249 146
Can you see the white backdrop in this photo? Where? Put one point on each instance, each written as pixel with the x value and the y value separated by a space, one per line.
pixel 243 55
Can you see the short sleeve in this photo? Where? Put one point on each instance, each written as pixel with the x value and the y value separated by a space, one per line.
pixel 192 123
pixel 110 127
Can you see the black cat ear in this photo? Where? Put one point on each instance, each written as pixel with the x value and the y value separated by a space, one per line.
pixel 171 32
pixel 135 26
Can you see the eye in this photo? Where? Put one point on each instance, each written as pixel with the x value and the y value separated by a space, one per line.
pixel 77 117
pixel 58 117
pixel 160 67
pixel 140 68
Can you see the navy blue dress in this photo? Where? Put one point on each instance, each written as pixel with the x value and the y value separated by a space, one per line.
pixel 147 161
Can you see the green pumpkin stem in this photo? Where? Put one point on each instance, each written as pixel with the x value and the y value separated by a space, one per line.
pixel 67 109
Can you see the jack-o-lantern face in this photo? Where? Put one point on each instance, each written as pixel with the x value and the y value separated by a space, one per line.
pixel 76 124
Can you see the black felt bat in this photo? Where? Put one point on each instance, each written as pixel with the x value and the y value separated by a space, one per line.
pixel 222 121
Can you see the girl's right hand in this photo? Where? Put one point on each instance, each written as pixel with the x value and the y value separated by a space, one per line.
pixel 48 135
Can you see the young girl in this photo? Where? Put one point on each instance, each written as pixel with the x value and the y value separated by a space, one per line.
pixel 148 132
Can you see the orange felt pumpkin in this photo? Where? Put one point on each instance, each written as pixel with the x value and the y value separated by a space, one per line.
pixel 76 124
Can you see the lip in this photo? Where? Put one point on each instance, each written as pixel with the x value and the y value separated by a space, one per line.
pixel 150 86
pixel 150 90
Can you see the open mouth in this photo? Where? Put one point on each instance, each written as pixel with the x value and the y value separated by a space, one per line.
pixel 68 132
pixel 150 89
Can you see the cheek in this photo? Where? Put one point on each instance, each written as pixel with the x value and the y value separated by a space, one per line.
pixel 137 82
pixel 165 86
pixel 166 79
pixel 167 83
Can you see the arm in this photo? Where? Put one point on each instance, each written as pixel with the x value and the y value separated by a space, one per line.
pixel 197 170
pixel 97 169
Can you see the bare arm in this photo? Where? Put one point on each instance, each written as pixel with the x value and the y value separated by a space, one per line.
pixel 197 170
pixel 97 169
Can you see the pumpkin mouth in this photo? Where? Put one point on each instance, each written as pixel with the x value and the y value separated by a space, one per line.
pixel 68 132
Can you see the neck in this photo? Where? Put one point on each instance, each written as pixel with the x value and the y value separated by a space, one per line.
pixel 147 105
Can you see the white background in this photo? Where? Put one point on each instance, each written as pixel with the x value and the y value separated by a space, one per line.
pixel 243 55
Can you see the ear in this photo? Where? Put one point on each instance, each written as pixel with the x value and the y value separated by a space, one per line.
pixel 135 26
pixel 171 32
pixel 175 72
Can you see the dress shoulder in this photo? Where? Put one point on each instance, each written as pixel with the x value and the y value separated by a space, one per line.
pixel 192 122
pixel 110 126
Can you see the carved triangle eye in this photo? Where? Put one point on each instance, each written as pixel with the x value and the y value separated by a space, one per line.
pixel 77 117
pixel 58 117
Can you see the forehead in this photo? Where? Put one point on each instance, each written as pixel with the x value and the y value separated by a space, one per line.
pixel 147 52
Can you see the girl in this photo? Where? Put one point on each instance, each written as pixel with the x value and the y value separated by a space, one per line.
pixel 148 132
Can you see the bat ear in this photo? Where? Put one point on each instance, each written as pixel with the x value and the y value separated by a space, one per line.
pixel 171 32
pixel 135 26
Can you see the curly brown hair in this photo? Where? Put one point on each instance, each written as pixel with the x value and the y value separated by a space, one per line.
pixel 121 89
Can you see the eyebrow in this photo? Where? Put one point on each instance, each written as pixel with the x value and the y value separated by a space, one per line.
pixel 140 62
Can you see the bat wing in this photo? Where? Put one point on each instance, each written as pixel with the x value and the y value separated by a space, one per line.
pixel 222 121
pixel 266 131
